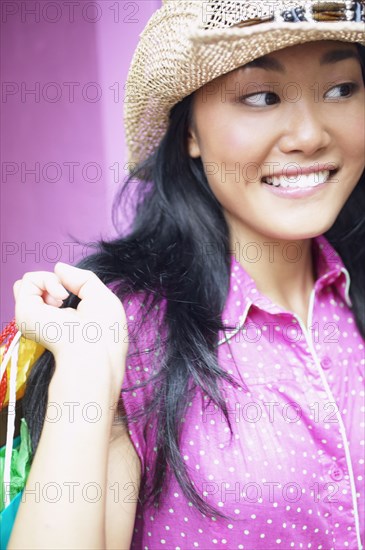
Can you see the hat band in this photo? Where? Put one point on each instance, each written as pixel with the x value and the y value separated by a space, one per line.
pixel 320 11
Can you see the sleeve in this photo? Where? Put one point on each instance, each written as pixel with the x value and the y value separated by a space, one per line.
pixel 145 334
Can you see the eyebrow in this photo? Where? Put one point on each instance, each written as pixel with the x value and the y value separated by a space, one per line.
pixel 329 58
pixel 334 56
pixel 267 63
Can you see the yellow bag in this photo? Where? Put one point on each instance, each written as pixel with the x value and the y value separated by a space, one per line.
pixel 28 353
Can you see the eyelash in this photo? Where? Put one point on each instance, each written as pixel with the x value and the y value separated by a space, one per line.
pixel 353 88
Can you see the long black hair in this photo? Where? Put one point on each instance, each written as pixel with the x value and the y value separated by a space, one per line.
pixel 165 254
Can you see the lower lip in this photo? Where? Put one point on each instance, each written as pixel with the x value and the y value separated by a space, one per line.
pixel 295 193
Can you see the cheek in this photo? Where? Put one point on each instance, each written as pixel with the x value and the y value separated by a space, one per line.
pixel 360 142
pixel 242 132
pixel 240 145
pixel 356 135
pixel 355 148
pixel 223 134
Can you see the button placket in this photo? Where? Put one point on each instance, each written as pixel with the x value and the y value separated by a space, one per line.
pixel 336 472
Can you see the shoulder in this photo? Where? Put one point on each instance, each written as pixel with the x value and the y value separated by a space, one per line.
pixel 146 328
pixel 141 306
pixel 146 338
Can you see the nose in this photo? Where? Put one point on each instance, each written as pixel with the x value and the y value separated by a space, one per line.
pixel 304 130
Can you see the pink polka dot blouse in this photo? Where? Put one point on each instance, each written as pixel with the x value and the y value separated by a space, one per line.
pixel 292 476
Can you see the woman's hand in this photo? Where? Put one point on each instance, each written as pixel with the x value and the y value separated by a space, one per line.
pixel 90 363
pixel 95 332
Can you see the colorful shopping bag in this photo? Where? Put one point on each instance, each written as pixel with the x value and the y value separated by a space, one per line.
pixel 17 358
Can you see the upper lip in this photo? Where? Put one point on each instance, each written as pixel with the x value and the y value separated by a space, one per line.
pixel 303 170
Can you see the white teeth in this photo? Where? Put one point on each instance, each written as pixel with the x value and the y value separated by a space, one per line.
pixel 300 181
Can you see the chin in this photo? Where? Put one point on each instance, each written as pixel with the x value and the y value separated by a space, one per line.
pixel 301 232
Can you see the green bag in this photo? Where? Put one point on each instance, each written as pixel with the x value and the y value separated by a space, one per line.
pixel 21 457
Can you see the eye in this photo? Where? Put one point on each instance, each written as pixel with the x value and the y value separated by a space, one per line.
pixel 261 99
pixel 341 90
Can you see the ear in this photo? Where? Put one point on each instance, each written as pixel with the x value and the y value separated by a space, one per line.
pixel 193 144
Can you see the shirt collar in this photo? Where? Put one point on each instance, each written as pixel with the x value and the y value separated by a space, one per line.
pixel 331 269
pixel 243 292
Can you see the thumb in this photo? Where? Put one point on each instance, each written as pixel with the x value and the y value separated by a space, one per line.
pixel 81 282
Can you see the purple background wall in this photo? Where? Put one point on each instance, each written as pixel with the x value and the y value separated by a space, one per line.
pixel 63 70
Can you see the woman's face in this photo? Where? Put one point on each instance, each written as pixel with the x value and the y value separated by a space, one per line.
pixel 293 118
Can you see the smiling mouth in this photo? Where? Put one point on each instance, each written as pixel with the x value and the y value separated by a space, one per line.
pixel 300 181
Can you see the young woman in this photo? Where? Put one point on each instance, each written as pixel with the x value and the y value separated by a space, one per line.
pixel 232 313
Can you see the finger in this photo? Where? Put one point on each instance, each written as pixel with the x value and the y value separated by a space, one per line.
pixel 34 285
pixel 48 299
pixel 16 288
pixel 35 293
pixel 81 282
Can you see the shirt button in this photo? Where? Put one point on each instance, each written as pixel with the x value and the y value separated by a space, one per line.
pixel 336 473
pixel 326 363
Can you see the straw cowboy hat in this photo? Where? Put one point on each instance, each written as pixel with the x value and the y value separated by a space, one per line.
pixel 188 43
